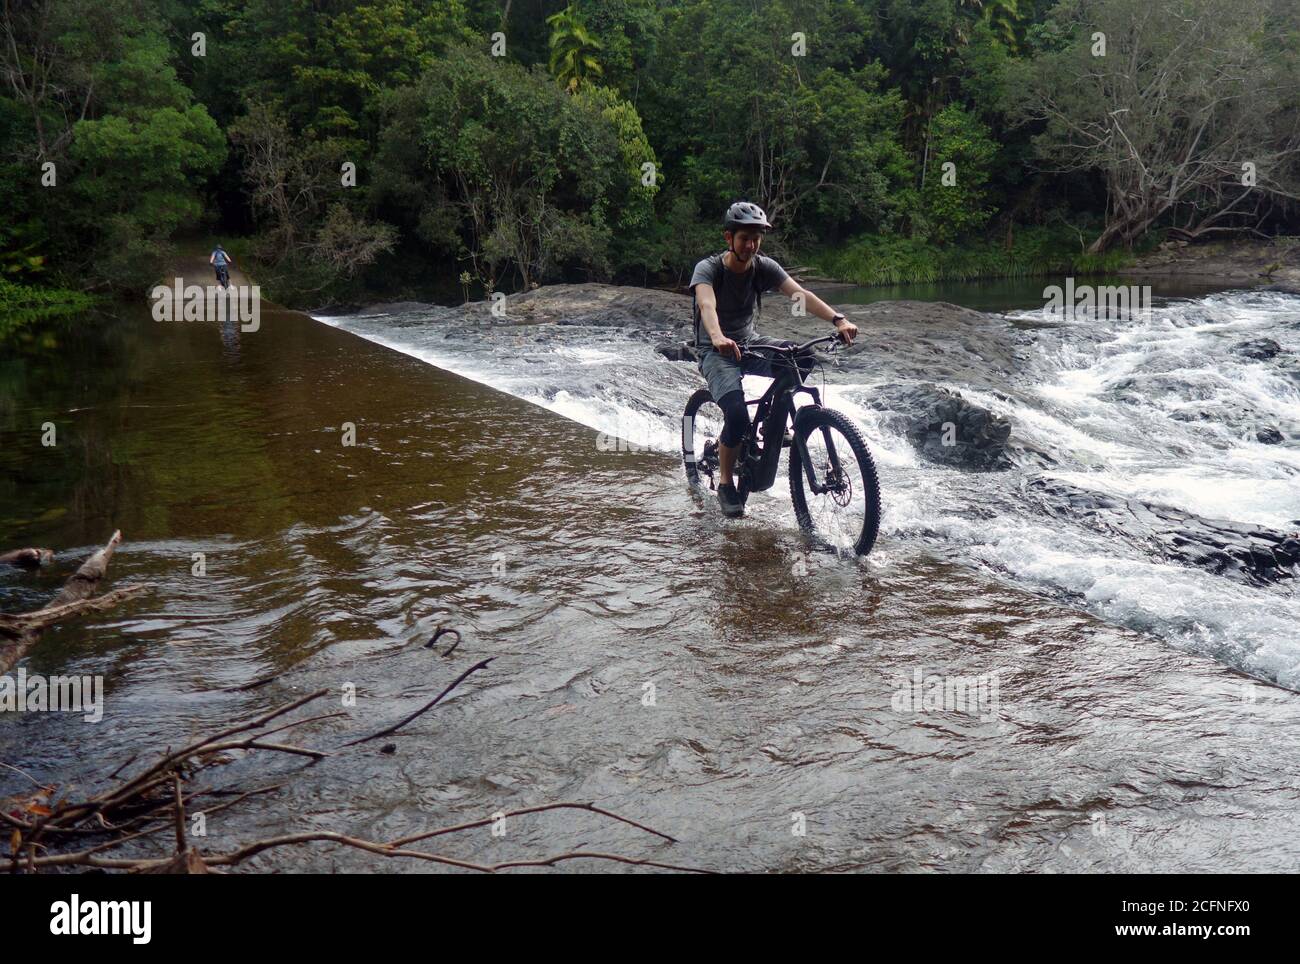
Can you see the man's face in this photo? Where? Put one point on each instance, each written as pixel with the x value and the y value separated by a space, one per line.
pixel 744 242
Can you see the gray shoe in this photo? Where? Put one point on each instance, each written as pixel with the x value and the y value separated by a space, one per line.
pixel 729 499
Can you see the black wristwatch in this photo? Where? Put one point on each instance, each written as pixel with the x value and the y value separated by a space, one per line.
pixel 838 318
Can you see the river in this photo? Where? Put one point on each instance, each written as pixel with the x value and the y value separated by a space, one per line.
pixel 711 679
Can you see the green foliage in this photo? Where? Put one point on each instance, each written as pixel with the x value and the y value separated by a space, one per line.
pixel 23 305
pixel 20 249
pixel 633 192
pixel 326 63
pixel 573 51
pixel 835 115
pixel 737 109
pixel 1006 20
pixel 629 33
pixel 522 176
pixel 130 147
pixel 1182 94
pixel 951 210
pixel 19 297
pixel 888 260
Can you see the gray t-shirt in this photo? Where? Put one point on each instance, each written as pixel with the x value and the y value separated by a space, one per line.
pixel 736 294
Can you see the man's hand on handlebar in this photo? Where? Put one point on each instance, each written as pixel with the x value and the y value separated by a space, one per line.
pixel 847 330
pixel 726 347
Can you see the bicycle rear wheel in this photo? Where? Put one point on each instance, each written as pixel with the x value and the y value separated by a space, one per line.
pixel 701 428
pixel 840 505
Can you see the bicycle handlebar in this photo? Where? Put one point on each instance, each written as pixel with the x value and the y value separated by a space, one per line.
pixel 793 349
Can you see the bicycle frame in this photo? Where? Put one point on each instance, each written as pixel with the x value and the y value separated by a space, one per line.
pixel 759 460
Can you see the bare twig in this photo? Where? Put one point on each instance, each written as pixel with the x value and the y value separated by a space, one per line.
pixel 424 709
pixel 180 812
pixel 254 684
pixel 402 842
pixel 257 744
pixel 136 784
pixel 441 631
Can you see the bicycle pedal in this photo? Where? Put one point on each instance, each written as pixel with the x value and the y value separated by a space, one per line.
pixel 787 440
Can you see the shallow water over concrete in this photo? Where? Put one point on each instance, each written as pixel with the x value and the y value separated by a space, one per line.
pixel 714 680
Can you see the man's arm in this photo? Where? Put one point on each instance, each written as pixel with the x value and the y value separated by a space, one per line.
pixel 821 309
pixel 708 305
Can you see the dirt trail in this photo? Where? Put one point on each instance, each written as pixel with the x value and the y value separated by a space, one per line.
pixel 195 270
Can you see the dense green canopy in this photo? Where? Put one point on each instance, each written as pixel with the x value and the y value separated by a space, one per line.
pixel 409 145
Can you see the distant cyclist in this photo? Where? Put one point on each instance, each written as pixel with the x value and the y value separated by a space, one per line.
pixel 222 262
pixel 726 288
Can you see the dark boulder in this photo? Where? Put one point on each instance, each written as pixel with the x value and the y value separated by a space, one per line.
pixel 1250 553
pixel 1258 349
pixel 946 428
pixel 677 351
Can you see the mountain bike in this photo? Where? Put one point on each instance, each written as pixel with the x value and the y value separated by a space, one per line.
pixel 223 275
pixel 833 482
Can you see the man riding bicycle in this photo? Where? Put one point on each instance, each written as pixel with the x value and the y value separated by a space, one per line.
pixel 221 262
pixel 726 288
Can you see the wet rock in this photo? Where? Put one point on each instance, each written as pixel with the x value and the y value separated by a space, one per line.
pixel 946 428
pixel 1239 260
pixel 913 340
pixel 1258 349
pixel 676 351
pixel 384 308
pixel 604 306
pixel 1269 436
pixel 1252 554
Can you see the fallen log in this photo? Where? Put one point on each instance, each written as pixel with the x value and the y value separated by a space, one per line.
pixel 27 558
pixel 24 629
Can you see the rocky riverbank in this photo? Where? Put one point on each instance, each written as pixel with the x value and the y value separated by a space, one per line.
pixel 1274 263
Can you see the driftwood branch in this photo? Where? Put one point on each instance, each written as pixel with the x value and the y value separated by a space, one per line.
pixel 590 807
pixel 15 624
pixel 180 812
pixel 424 709
pixel 155 799
pixel 21 631
pixel 44 835
pixel 27 558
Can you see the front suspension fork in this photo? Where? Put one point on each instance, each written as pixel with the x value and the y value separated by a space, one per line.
pixel 834 476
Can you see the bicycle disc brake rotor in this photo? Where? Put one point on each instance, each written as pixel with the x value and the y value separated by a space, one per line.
pixel 840 486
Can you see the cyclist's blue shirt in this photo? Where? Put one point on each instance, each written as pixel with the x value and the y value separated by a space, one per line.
pixel 219 257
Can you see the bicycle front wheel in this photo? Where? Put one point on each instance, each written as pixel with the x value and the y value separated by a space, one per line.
pixel 839 502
